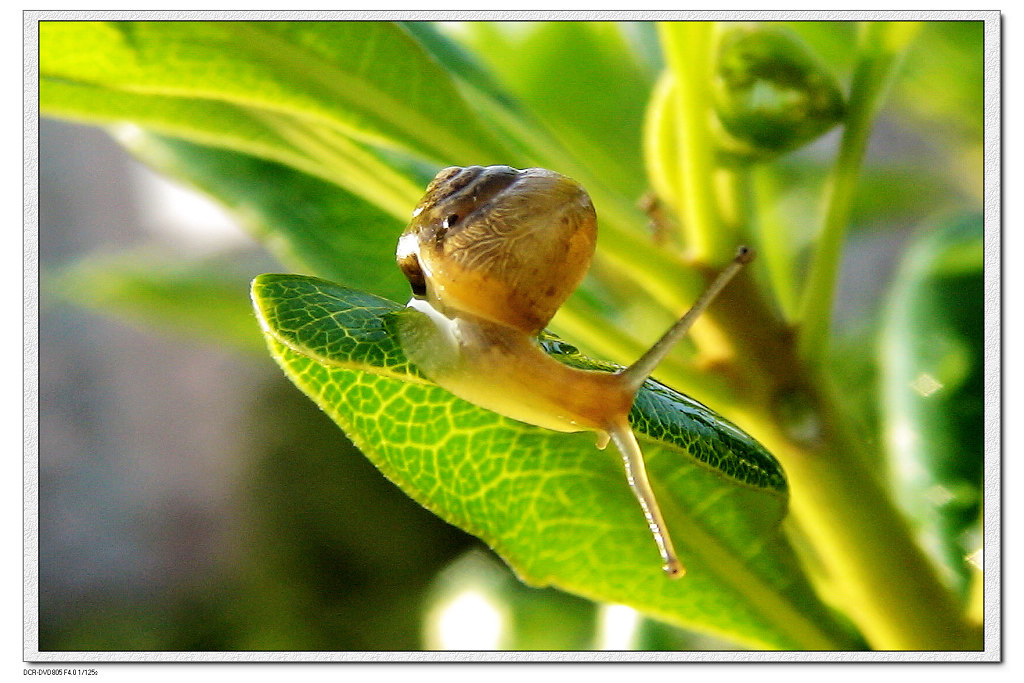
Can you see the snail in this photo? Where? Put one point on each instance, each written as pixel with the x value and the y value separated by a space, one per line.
pixel 491 254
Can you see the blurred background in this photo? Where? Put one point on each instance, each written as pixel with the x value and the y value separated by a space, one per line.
pixel 175 516
pixel 190 498
pixel 172 514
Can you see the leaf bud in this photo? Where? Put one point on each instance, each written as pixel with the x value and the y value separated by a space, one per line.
pixel 771 93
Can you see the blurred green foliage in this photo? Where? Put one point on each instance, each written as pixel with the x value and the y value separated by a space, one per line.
pixel 319 136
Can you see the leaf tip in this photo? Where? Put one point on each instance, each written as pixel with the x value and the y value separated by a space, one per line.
pixel 260 303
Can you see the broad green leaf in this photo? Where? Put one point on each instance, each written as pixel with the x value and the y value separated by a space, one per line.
pixel 314 150
pixel 223 123
pixel 459 62
pixel 310 225
pixel 555 68
pixel 530 142
pixel 367 80
pixel 933 362
pixel 551 504
pixel 219 84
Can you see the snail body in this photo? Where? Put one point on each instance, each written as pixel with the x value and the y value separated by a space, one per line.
pixel 510 374
pixel 491 253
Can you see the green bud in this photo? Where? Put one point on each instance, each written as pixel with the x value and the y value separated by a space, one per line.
pixel 771 93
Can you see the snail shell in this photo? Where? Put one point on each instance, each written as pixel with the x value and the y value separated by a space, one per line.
pixel 505 245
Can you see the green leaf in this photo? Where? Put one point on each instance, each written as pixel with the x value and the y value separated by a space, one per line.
pixel 551 504
pixel 219 84
pixel 185 80
pixel 459 62
pixel 367 80
pixel 310 225
pixel 555 68
pixel 933 362
pixel 314 150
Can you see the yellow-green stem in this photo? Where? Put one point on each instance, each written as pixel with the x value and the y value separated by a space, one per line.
pixel 775 241
pixel 881 48
pixel 876 570
pixel 884 581
pixel 688 49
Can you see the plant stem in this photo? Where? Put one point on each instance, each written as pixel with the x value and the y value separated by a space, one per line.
pixel 734 189
pixel 881 46
pixel 775 240
pixel 876 570
pixel 884 581
pixel 688 48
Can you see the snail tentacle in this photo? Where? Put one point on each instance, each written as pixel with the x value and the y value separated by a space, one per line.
pixel 642 368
